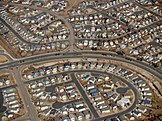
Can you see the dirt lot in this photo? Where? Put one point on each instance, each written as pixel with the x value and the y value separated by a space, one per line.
pixel 3 59
pixel 71 3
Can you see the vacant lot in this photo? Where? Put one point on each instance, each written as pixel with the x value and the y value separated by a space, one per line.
pixel 3 59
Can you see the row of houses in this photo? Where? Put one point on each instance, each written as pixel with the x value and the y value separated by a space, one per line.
pixel 143 88
pixel 101 91
pixel 5 80
pixel 65 92
pixel 96 26
pixel 12 102
pixel 22 49
pixel 92 28
pixel 38 26
pixel 80 109
pixel 81 9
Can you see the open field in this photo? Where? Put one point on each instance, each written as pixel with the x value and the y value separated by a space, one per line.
pixel 3 59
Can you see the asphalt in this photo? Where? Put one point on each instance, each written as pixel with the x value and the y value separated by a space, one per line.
pixel 2 52
pixel 126 110
pixel 30 108
pixel 84 95
pixel 87 100
pixel 50 88
pixel 1 100
pixel 58 105
pixel 15 32
pixel 31 111
pixel 154 71
pixel 138 4
pixel 72 39
pixel 105 14
pixel 5 87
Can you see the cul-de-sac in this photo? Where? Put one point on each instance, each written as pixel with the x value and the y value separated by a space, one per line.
pixel 80 60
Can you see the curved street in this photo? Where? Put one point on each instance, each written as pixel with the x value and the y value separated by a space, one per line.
pixel 80 15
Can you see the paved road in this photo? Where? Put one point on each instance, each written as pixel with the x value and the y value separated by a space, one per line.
pixel 72 40
pixel 84 95
pixel 105 14
pixel 2 52
pixel 23 91
pixel 15 32
pixel 136 95
pixel 37 15
pixel 81 90
pixel 48 57
pixel 5 87
pixel 30 108
pixel 138 4
pixel 23 118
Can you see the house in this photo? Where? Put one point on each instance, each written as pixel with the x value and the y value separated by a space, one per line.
pixel 115 119
pixel 64 112
pixel 87 114
pixel 65 118
pixel 90 86
pixel 98 102
pixel 111 68
pixel 147 102
pixel 94 94
pixel 142 109
pixel 123 102
pixel 108 86
pixel 141 84
pixel 10 98
pixel 110 94
pixel 147 88
pixel 63 96
pixel 13 102
pixel 147 93
pixel 107 78
pixel 10 116
pixel 78 104
pixel 105 110
pixel 43 108
pixel 70 108
pixel 44 96
pixel 47 112
pixel 92 80
pixel 136 113
pixel 97 98
pixel 115 108
pixel 103 105
pixel 14 110
pixel 8 90
pixel 93 90
pixel 10 94
pixel 81 108
pixel 53 96
pixel 128 74
pixel 72 117
pixel 14 105
pixel 133 77
pixel 38 93
pixel 137 80
pixel 123 71
pixel 160 118
pixel 73 94
pixel 69 86
pixel 79 116
pixel 130 117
